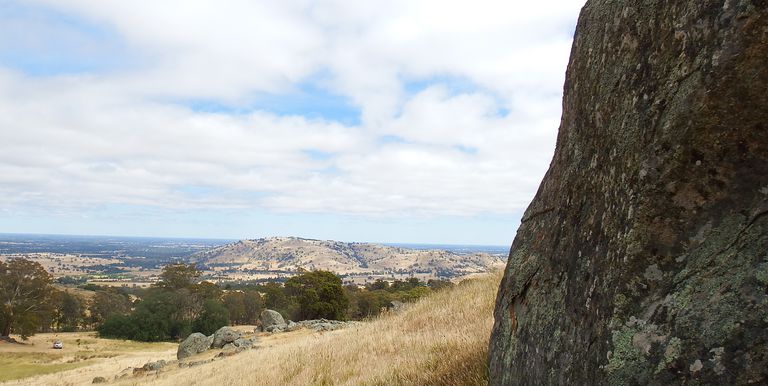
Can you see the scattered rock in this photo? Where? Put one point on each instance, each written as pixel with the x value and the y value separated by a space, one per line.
pixel 194 344
pixel 99 380
pixel 245 343
pixel 317 325
pixel 137 371
pixel 194 363
pixel 271 318
pixel 8 339
pixel 696 366
pixel 292 326
pixel 229 351
pixel 124 373
pixel 276 328
pixel 224 335
pixel 155 366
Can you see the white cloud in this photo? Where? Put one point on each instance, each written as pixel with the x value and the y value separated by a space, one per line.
pixel 122 136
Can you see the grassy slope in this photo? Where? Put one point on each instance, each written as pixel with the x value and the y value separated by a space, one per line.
pixel 84 357
pixel 20 365
pixel 441 340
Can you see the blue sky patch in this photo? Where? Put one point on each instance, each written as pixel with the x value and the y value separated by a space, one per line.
pixel 455 85
pixel 40 41
pixel 466 149
pixel 387 139
pixel 317 155
pixel 306 100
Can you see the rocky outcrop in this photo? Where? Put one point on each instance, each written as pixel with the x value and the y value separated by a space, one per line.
pixel 194 344
pixel 270 318
pixel 245 343
pixel 313 324
pixel 642 258
pixel 223 336
pixel 154 366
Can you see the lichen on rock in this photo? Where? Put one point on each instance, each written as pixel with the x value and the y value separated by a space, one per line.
pixel 643 257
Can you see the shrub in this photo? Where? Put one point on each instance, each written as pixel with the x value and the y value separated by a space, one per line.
pixel 214 316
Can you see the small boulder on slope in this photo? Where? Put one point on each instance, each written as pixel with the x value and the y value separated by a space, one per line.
pixel 224 335
pixel 270 318
pixel 194 344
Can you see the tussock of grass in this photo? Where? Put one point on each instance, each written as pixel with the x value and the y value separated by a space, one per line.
pixel 441 340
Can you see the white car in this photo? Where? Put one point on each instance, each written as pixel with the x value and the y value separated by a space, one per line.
pixel 58 345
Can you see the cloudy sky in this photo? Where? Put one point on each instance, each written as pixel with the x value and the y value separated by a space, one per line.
pixel 397 121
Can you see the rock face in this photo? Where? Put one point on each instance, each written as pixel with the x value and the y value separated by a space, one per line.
pixel 643 257
pixel 223 336
pixel 194 344
pixel 270 318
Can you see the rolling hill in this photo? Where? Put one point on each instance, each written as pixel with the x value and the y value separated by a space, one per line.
pixel 289 254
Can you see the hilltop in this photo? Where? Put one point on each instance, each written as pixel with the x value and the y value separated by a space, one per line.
pixel 354 261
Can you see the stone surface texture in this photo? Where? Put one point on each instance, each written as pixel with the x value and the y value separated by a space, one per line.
pixel 643 258
pixel 269 318
pixel 194 344
pixel 224 335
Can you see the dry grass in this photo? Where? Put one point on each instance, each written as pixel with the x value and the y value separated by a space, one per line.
pixel 19 365
pixel 442 340
pixel 84 357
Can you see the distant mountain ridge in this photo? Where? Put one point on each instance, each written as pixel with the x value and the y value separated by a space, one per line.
pixel 292 253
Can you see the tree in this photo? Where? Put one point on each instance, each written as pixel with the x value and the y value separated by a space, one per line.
pixel 186 295
pixel 320 294
pixel 275 298
pixel 253 306
pixel 213 317
pixel 414 294
pixel 377 285
pixel 438 285
pixel 369 303
pixel 179 275
pixel 70 312
pixel 207 290
pixel 243 306
pixel 25 294
pixel 235 303
pixel 108 303
pixel 407 285
pixel 117 326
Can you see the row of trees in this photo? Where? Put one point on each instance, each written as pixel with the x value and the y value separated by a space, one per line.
pixel 180 303
pixel 320 294
pixel 30 303
pixel 172 309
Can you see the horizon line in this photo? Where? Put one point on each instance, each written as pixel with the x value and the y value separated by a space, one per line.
pixel 240 239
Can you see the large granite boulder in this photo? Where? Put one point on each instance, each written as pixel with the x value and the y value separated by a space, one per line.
pixel 271 319
pixel 224 335
pixel 194 344
pixel 642 259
